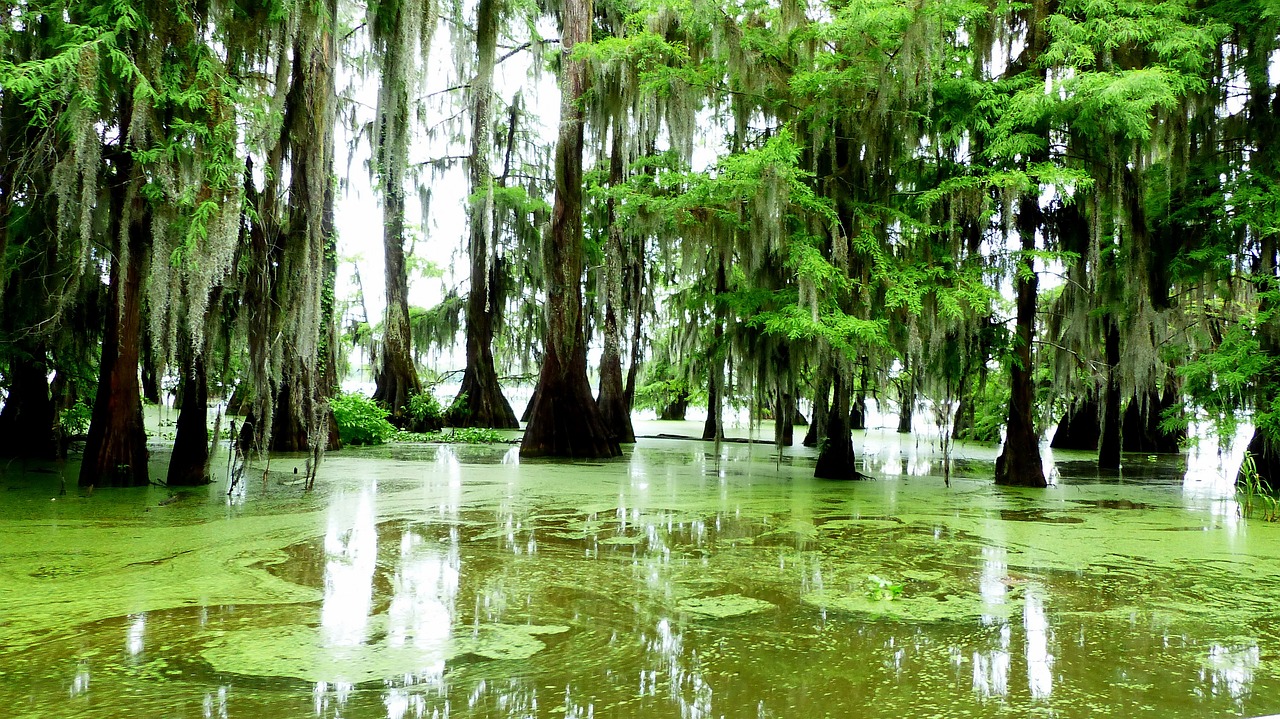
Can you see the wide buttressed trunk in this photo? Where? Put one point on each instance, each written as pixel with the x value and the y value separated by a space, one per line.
pixel 28 418
pixel 396 379
pixel 565 421
pixel 784 419
pixel 1019 463
pixel 836 459
pixel 115 454
pixel 189 465
pixel 480 402
pixel 1079 428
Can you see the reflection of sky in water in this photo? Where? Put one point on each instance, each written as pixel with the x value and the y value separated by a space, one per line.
pixel 424 591
pixel 1039 636
pixel 991 668
pixel 991 583
pixel 351 555
pixel 1229 669
pixel 137 630
pixel 215 705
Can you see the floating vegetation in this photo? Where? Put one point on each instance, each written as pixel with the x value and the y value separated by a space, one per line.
pixel 723 606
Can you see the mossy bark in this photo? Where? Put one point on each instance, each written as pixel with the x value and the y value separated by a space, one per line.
pixel 565 421
pixel 396 378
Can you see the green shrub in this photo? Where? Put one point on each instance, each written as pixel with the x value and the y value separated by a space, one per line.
pixel 75 419
pixel 424 407
pixel 424 412
pixel 361 420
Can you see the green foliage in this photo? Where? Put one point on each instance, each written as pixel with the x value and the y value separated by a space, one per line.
pixel 74 420
pixel 361 420
pixel 990 410
pixel 1237 372
pixel 424 408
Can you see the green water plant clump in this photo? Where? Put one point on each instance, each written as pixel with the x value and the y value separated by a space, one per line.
pixel 361 420
pixel 455 435
pixel 1254 494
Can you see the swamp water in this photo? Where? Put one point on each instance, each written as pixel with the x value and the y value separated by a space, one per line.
pixel 436 581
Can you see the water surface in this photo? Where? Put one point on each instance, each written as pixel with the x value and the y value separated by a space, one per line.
pixel 429 581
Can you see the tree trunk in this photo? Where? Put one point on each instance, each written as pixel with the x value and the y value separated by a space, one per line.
pixel 29 416
pixel 396 378
pixel 1019 463
pixel 566 421
pixel 1141 425
pixel 637 315
pixel 612 399
pixel 858 413
pixel 1109 444
pixel 906 406
pixel 188 467
pixel 1079 428
pixel 115 455
pixel 711 429
pixel 784 411
pixel 1266 459
pixel 528 407
pixel 294 408
pixel 676 409
pixel 150 374
pixel 836 459
pixel 821 407
pixel 330 382
pixel 963 423
pixel 480 402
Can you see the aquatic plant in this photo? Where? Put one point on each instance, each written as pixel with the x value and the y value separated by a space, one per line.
pixel 1253 492
pixel 882 590
pixel 456 435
